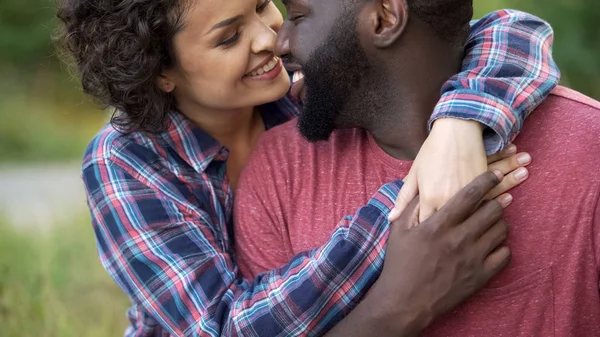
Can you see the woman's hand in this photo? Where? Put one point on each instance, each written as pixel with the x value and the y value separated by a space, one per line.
pixel 451 157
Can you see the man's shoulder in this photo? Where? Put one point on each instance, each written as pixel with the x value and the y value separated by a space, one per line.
pixel 571 97
pixel 571 106
pixel 566 111
pixel 564 133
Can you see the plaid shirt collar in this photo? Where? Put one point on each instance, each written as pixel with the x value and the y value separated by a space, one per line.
pixel 198 148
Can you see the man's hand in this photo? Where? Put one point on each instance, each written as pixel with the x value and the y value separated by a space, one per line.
pixel 431 268
pixel 451 157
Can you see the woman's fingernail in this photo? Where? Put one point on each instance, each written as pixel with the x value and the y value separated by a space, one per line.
pixel 510 149
pixel 521 173
pixel 393 214
pixel 524 159
pixel 506 200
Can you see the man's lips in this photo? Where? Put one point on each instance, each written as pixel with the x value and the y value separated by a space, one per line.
pixel 298 89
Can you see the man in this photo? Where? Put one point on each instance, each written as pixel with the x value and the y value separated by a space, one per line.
pixel 552 284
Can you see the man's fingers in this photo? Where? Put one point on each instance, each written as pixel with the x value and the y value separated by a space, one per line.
pixel 407 193
pixel 510 181
pixel 468 198
pixel 483 219
pixel 410 216
pixel 510 150
pixel 496 261
pixel 493 238
pixel 511 163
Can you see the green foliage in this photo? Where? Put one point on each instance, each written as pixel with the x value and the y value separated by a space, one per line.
pixel 25 30
pixel 577 36
pixel 53 285
pixel 46 118
pixel 43 121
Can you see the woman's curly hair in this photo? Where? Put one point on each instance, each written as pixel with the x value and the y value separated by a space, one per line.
pixel 119 49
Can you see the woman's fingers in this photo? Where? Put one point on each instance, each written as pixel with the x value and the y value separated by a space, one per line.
pixel 513 168
pixel 511 163
pixel 510 181
pixel 507 152
pixel 407 193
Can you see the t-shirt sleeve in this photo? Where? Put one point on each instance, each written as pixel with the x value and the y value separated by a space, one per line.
pixel 259 222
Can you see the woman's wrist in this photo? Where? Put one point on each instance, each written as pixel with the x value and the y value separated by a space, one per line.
pixel 449 123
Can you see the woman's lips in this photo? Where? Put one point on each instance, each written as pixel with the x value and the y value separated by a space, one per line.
pixel 273 70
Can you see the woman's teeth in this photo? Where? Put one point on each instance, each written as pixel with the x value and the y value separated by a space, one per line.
pixel 266 68
pixel 298 75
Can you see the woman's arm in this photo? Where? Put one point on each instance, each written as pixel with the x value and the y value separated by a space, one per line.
pixel 169 257
pixel 507 72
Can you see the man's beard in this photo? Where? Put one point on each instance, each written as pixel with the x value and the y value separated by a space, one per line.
pixel 333 75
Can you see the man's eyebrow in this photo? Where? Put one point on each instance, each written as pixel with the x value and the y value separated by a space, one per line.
pixel 288 3
pixel 226 23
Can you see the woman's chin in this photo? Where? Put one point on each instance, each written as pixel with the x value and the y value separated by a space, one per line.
pixel 276 91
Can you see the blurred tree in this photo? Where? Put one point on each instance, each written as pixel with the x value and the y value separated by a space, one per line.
pixel 576 26
pixel 577 36
pixel 25 29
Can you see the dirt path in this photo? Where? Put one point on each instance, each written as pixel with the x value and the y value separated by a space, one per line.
pixel 41 196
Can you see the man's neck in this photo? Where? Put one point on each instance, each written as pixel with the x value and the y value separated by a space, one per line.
pixel 406 97
pixel 400 126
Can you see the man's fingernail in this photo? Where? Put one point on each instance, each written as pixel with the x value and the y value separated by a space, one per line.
pixel 499 175
pixel 524 158
pixel 521 173
pixel 393 214
pixel 512 148
pixel 506 200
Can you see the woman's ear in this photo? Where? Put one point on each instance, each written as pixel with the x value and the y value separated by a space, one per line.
pixel 165 84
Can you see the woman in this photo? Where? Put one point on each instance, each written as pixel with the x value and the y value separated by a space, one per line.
pixel 193 95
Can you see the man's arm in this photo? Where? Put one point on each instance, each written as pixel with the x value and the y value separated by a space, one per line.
pixel 507 72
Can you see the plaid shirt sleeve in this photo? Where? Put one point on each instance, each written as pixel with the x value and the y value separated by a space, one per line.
pixel 167 258
pixel 507 72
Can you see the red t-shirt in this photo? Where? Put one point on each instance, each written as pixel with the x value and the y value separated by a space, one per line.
pixel 292 194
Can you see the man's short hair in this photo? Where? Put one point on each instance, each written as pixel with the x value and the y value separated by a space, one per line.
pixel 449 19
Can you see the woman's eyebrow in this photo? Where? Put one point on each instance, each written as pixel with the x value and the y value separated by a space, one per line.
pixel 227 22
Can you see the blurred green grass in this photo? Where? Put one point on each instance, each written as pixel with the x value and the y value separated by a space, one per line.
pixel 53 285
pixel 45 118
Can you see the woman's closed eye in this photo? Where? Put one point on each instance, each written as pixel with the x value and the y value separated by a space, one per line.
pixel 261 8
pixel 229 40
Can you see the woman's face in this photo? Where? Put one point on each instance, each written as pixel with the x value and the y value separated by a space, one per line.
pixel 224 56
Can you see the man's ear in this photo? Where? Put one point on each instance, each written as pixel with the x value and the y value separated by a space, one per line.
pixel 387 21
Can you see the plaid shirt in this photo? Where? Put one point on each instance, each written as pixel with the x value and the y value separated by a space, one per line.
pixel 161 206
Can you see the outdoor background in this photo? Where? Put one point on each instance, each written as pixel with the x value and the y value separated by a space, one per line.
pixel 51 281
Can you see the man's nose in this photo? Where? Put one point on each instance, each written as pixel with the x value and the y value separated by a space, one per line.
pixel 282 45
